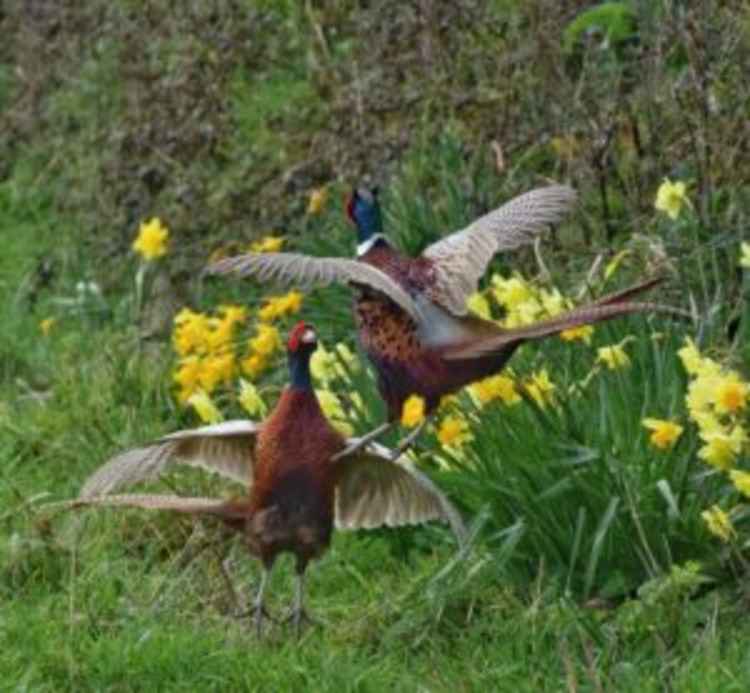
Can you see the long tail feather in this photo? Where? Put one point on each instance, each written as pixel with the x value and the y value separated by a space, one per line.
pixel 614 305
pixel 210 506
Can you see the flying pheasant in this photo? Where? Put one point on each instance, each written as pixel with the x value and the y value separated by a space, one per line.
pixel 301 481
pixel 411 313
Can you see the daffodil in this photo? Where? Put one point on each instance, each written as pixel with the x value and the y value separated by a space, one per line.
pixel 250 399
pixel 151 242
pixel 46 325
pixel 731 394
pixel 317 200
pixel 664 433
pixel 499 387
pixel 187 376
pixel 540 388
pixel 253 365
pixel 215 369
pixel 718 523
pixel 741 481
pixel 454 431
pixel 279 306
pixel 205 407
pixel 334 411
pixel 412 413
pixel 191 333
pixel 671 197
pixel 745 255
pixel 694 362
pixel 479 305
pixel 721 447
pixel 614 356
pixel 582 332
pixel 267 340
pixel 268 244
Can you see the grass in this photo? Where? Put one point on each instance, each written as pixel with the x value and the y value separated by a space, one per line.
pixel 590 567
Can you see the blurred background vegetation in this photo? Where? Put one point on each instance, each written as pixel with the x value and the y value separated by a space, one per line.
pixel 591 567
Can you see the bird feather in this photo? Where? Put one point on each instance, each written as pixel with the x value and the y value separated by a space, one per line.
pixel 460 260
pixel 226 448
pixel 294 269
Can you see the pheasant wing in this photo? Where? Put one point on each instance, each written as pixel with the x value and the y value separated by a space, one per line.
pixel 460 260
pixel 373 491
pixel 227 449
pixel 294 269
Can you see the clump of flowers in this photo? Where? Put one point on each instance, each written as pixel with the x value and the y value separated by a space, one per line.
pixel 204 344
pixel 317 200
pixel 151 242
pixel 716 400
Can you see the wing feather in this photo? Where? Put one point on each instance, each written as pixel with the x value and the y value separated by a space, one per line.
pixel 294 269
pixel 227 449
pixel 374 491
pixel 461 259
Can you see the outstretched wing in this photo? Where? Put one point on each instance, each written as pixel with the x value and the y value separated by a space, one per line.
pixel 227 449
pixel 293 269
pixel 460 260
pixel 374 491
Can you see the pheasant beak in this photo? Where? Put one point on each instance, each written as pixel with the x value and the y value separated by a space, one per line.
pixel 309 336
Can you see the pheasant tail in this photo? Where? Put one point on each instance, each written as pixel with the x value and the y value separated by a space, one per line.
pixel 606 308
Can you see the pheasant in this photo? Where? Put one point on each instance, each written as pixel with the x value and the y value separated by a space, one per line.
pixel 411 313
pixel 297 490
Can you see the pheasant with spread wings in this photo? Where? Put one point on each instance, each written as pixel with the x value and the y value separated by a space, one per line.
pixel 411 313
pixel 301 480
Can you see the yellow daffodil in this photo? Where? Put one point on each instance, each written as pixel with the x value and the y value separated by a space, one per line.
pixel 151 242
pixel 499 387
pixel 745 255
pixel 215 369
pixel 204 407
pixel 694 363
pixel 553 302
pixel 582 332
pixel 670 198
pixel 269 244
pixel 267 340
pixel 191 333
pixel 614 356
pixel 454 431
pixel 731 394
pixel 317 201
pixel 253 365
pixel 46 325
pixel 413 411
pixel 479 305
pixel 334 411
pixel 233 314
pixel 187 376
pixel 250 399
pixel 718 523
pixel 540 388
pixel 279 306
pixel 741 481
pixel 664 433
pixel 722 448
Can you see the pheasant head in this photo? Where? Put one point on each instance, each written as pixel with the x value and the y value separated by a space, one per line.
pixel 363 210
pixel 301 344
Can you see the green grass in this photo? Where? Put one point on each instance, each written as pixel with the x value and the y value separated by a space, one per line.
pixel 589 567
